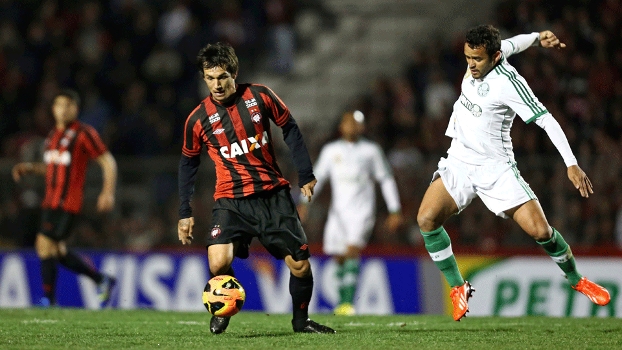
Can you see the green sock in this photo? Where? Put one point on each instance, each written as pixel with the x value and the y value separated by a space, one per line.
pixel 438 245
pixel 339 274
pixel 560 252
pixel 348 282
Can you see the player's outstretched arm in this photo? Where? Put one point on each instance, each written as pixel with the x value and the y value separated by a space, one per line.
pixel 21 169
pixel 522 42
pixel 580 180
pixel 106 199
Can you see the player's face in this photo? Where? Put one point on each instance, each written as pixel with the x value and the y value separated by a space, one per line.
pixel 64 109
pixel 349 128
pixel 480 63
pixel 221 84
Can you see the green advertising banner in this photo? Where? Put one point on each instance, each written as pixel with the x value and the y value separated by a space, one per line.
pixel 536 286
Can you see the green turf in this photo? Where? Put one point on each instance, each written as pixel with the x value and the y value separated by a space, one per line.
pixel 81 329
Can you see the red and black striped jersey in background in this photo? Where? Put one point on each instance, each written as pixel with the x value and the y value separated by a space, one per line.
pixel 67 153
pixel 238 140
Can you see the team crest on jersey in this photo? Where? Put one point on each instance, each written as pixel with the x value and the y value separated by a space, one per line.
pixel 250 103
pixel 218 131
pixel 215 232
pixel 214 118
pixel 483 89
pixel 256 117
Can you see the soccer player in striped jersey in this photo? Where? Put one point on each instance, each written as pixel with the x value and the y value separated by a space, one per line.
pixel 353 164
pixel 68 148
pixel 480 161
pixel 252 197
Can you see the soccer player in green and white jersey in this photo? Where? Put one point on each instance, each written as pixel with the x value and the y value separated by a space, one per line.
pixel 352 165
pixel 480 161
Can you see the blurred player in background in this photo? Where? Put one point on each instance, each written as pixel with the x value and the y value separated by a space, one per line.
pixel 481 163
pixel 252 197
pixel 353 164
pixel 68 148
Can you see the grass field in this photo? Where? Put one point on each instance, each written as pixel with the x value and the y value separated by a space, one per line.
pixel 147 329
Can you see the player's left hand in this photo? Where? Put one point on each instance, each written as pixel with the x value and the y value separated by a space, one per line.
pixel 580 180
pixel 394 221
pixel 307 189
pixel 105 202
pixel 549 40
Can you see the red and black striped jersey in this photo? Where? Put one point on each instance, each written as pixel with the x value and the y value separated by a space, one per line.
pixel 66 155
pixel 238 140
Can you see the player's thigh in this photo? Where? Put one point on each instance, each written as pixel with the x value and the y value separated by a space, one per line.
pixel 282 233
pixel 530 217
pixel 436 207
pixel 502 188
pixel 229 226
pixel 56 224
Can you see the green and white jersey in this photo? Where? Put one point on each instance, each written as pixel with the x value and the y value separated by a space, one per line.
pixel 352 169
pixel 483 115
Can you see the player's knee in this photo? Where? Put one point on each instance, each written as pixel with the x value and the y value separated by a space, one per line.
pixel 542 232
pixel 45 248
pixel 426 220
pixel 301 268
pixel 219 265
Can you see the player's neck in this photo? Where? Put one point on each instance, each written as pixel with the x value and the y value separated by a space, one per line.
pixel 352 139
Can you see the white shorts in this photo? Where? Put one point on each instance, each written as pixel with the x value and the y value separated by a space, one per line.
pixel 500 186
pixel 343 230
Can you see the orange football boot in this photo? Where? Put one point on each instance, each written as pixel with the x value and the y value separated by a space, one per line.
pixel 459 298
pixel 597 294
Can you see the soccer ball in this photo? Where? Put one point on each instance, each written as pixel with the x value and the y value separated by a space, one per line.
pixel 223 296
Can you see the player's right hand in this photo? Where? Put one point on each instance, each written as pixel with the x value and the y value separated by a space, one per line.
pixel 184 230
pixel 580 180
pixel 20 169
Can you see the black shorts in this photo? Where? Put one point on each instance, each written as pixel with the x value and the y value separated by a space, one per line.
pixel 56 224
pixel 270 216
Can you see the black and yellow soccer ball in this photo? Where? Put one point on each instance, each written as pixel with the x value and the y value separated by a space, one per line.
pixel 223 296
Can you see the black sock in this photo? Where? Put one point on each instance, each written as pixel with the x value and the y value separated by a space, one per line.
pixel 76 264
pixel 301 290
pixel 49 270
pixel 229 272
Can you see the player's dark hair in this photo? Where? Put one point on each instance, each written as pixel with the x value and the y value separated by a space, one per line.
pixel 70 94
pixel 485 36
pixel 217 55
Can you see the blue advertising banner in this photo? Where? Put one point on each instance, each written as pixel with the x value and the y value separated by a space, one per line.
pixel 167 281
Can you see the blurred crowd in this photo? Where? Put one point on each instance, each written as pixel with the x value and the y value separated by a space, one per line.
pixel 133 63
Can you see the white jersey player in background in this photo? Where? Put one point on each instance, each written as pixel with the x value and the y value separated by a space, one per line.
pixel 480 161
pixel 353 164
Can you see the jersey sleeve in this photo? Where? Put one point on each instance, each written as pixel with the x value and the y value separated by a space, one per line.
pixel 193 131
pixel 92 143
pixel 519 43
pixel 517 95
pixel 381 166
pixel 384 176
pixel 280 113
